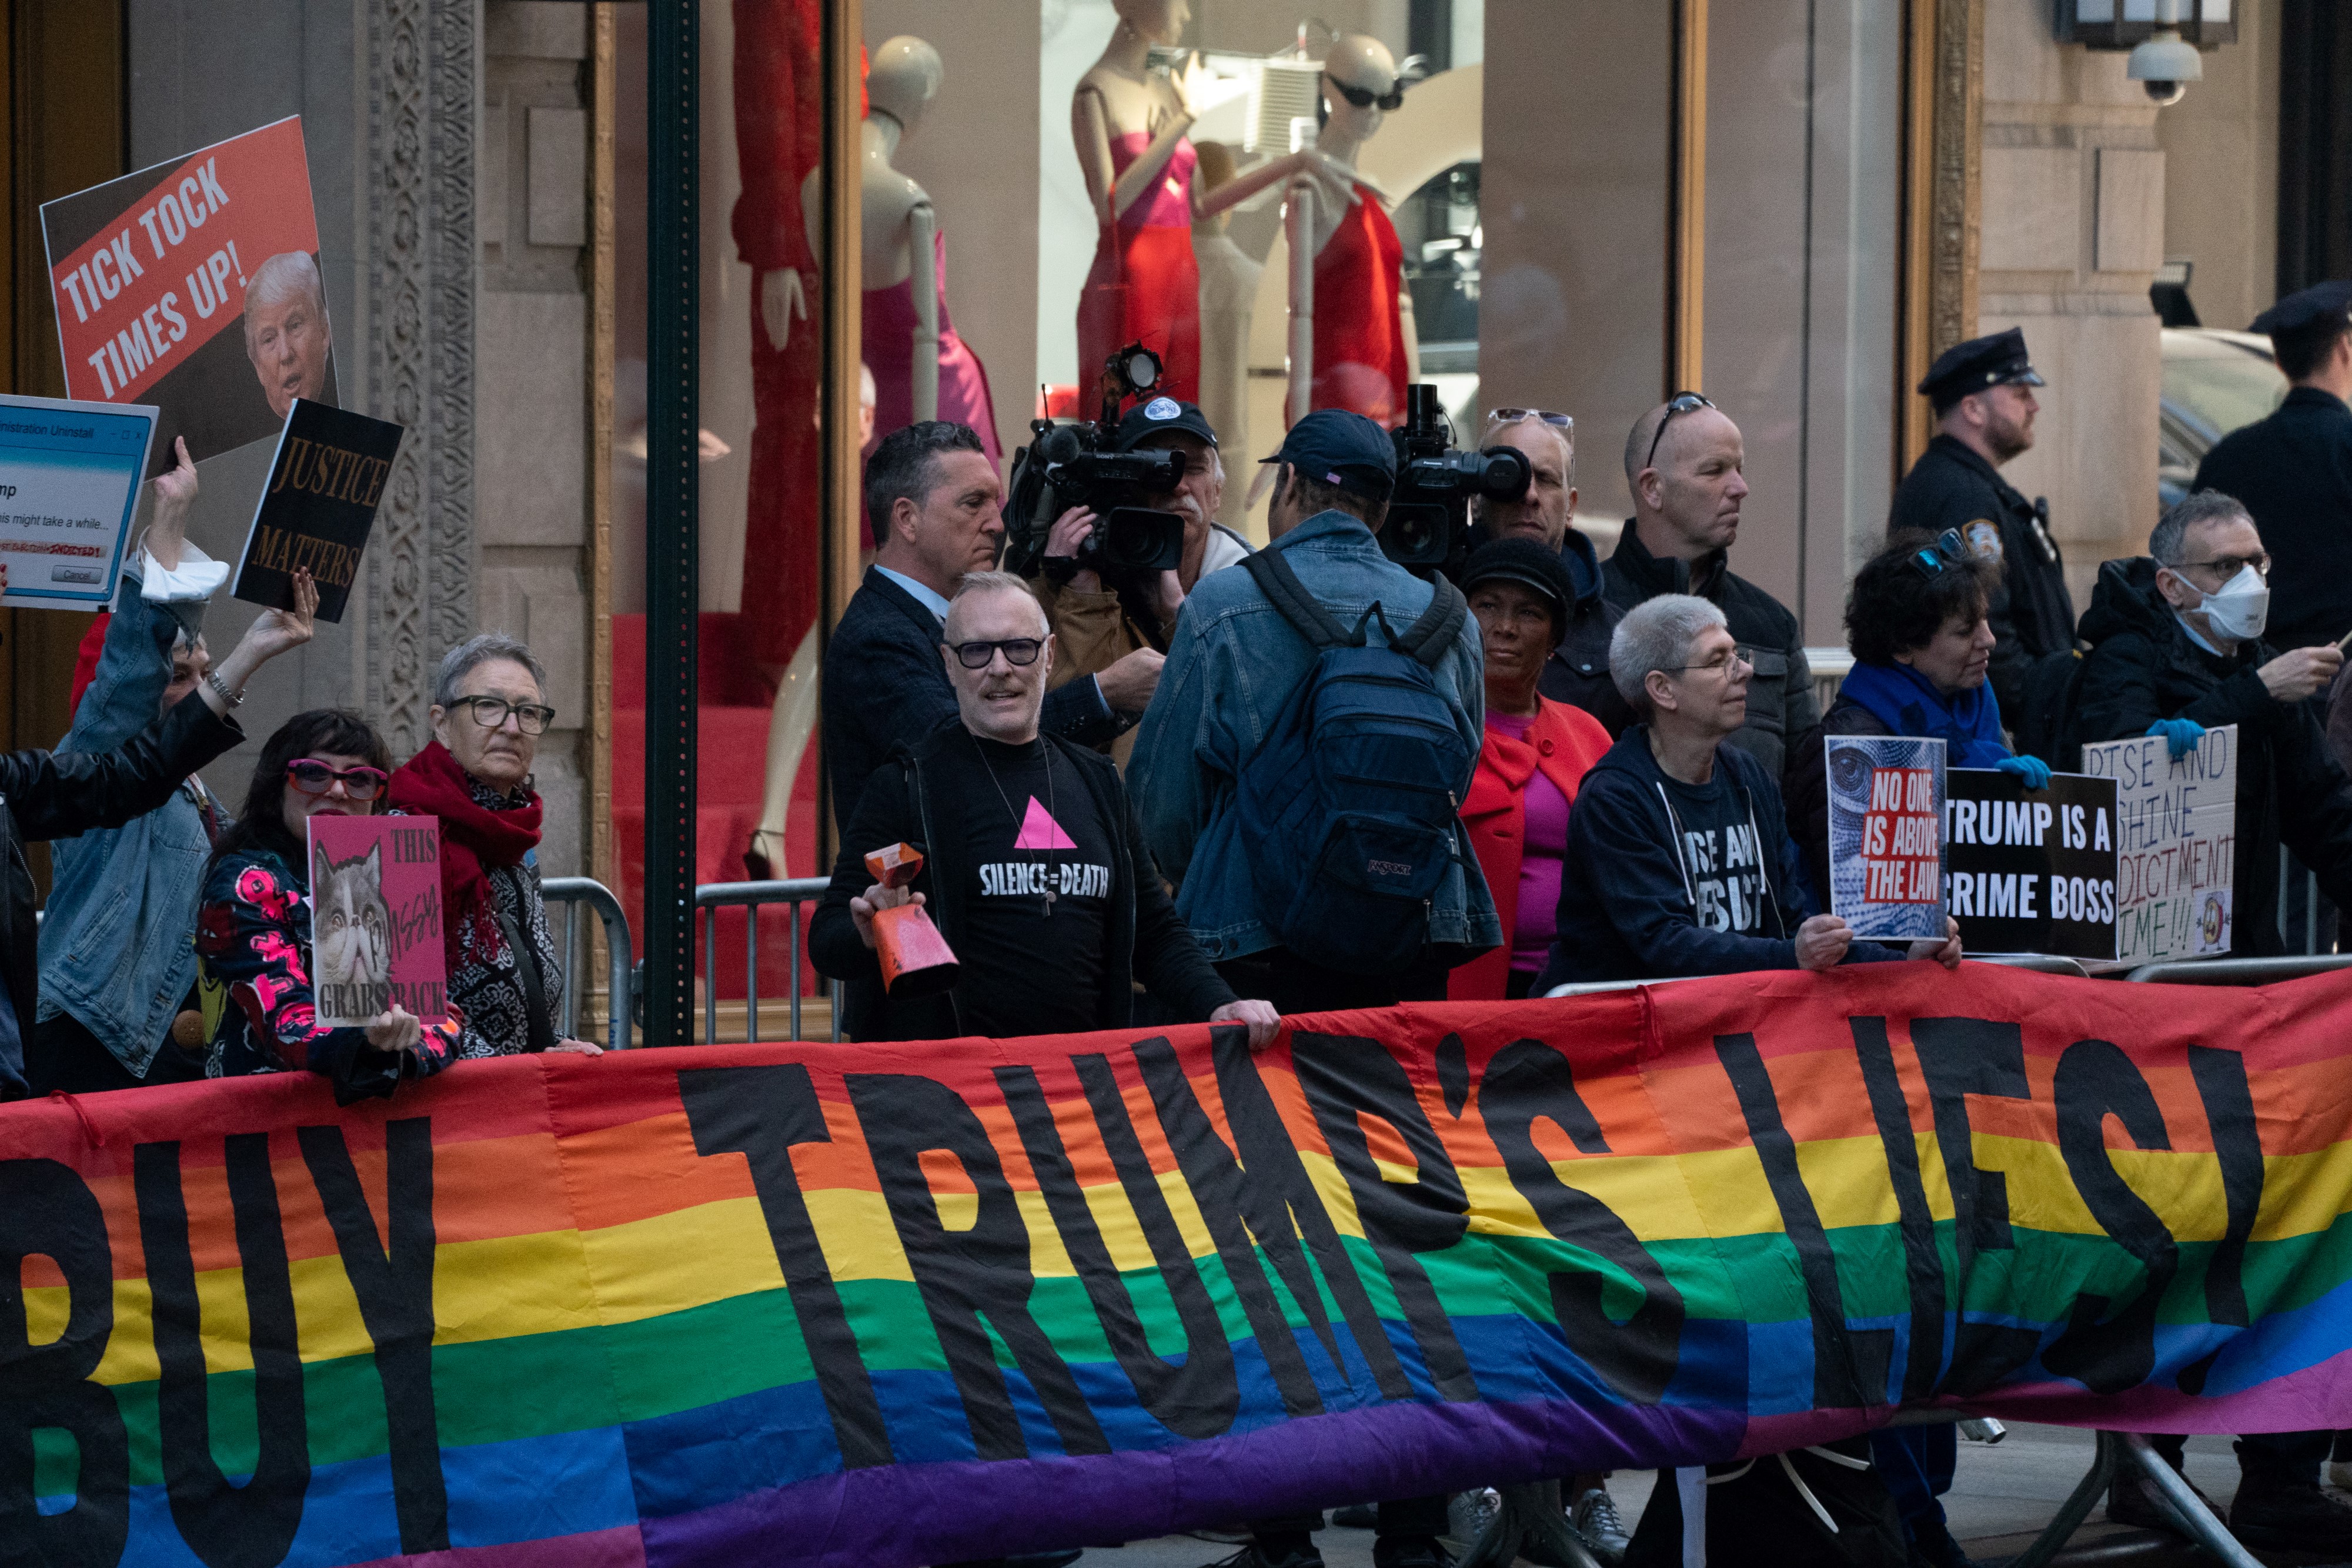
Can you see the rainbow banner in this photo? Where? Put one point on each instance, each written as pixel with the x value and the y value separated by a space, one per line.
pixel 863 1306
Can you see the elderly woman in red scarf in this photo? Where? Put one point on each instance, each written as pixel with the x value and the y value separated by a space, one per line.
pixel 1536 752
pixel 489 709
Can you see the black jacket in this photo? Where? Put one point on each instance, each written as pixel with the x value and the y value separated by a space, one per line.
pixel 2294 472
pixel 1145 939
pixel 2142 667
pixel 58 794
pixel 884 687
pixel 1625 907
pixel 2032 614
pixel 1782 710
pixel 1577 673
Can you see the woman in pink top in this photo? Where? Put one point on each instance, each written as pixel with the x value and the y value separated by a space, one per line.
pixel 1536 752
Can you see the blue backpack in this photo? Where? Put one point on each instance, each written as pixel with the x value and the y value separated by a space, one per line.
pixel 1349 809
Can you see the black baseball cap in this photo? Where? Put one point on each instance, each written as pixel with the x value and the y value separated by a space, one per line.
pixel 1341 449
pixel 1526 563
pixel 1995 359
pixel 2306 307
pixel 1159 416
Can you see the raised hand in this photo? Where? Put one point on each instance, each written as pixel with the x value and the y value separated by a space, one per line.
pixel 273 631
pixel 175 493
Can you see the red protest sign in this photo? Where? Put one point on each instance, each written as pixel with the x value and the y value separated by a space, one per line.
pixel 194 285
pixel 1901 850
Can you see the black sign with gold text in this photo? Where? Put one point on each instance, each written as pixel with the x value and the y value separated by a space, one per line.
pixel 318 506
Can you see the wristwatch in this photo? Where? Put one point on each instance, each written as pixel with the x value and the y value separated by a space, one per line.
pixel 234 699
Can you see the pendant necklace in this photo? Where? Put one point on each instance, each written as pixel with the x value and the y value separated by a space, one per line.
pixel 1055 864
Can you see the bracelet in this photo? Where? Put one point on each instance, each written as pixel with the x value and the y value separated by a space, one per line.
pixel 234 699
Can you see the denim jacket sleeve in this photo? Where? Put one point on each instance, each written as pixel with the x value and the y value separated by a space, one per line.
pixel 134 666
pixel 1176 749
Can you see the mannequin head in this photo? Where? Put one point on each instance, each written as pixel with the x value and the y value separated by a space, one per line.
pixel 1364 66
pixel 905 77
pixel 1155 21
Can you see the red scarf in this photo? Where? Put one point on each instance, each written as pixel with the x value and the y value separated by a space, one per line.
pixel 472 835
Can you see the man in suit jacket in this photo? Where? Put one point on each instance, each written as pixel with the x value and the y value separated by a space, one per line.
pixel 932 494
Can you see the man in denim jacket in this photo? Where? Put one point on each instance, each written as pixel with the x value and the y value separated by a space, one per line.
pixel 116 964
pixel 1232 664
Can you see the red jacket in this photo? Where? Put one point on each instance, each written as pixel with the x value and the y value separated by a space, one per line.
pixel 1565 742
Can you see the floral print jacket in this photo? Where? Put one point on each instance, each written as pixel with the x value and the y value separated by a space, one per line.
pixel 253 954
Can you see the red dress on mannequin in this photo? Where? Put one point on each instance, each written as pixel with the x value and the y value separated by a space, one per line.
pixel 779 138
pixel 1359 363
pixel 1145 285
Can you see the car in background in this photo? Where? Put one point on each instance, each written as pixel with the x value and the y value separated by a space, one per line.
pixel 2214 382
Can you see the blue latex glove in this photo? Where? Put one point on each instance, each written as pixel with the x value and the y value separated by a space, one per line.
pixel 2181 735
pixel 2032 769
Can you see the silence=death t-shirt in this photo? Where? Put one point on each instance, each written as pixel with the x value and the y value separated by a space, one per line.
pixel 1025 971
pixel 1721 856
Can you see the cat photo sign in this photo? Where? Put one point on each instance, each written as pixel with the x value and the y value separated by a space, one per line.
pixel 376 918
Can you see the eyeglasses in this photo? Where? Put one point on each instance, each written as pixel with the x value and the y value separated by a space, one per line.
pixel 1948 549
pixel 1721 665
pixel 312 776
pixel 1018 651
pixel 2231 566
pixel 1513 417
pixel 1681 403
pixel 531 718
pixel 1364 97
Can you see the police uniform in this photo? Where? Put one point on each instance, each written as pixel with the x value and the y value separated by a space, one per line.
pixel 1953 487
pixel 2294 472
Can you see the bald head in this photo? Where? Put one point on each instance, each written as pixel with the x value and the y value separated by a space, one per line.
pixel 1684 470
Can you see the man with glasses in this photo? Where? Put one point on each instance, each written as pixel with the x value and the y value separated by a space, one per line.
pixel 1981 392
pixel 2176 649
pixel 1034 868
pixel 1683 463
pixel 1577 672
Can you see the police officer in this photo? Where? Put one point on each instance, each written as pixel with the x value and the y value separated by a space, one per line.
pixel 1984 417
pixel 2293 471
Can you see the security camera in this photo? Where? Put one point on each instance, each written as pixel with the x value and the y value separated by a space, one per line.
pixel 2164 67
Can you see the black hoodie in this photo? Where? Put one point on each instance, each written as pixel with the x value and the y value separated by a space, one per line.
pixel 2142 667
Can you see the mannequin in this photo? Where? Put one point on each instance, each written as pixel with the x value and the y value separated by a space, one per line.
pixel 1129 126
pixel 1229 277
pixel 1360 353
pixel 936 375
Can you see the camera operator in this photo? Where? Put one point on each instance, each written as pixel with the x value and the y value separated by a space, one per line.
pixel 1035 869
pixel 1097 624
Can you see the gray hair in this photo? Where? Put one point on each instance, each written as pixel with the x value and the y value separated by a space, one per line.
pixel 978 582
pixel 2169 543
pixel 283 275
pixel 1495 428
pixel 477 651
pixel 1657 634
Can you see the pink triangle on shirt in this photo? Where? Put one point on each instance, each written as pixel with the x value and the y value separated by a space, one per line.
pixel 1040 832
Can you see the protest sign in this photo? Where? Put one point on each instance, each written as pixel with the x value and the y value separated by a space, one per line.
pixel 194 285
pixel 2175 843
pixel 2032 870
pixel 1886 840
pixel 317 506
pixel 865 1306
pixel 69 476
pixel 376 918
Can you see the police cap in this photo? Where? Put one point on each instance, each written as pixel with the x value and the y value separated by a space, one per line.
pixel 1979 363
pixel 2306 307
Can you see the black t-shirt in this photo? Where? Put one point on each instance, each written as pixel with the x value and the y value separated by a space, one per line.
pixel 1721 855
pixel 1031 964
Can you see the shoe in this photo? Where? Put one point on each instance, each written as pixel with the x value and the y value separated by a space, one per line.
pixel 1932 1546
pixel 1255 1555
pixel 2132 1499
pixel 1357 1516
pixel 757 867
pixel 1410 1551
pixel 2286 1517
pixel 1595 1519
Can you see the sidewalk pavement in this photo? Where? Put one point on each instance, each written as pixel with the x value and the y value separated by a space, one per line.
pixel 2003 1495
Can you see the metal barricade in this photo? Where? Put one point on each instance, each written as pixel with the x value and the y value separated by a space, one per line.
pixel 571 892
pixel 751 897
pixel 2241 971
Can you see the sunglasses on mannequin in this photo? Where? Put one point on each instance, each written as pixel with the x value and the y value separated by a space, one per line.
pixel 1365 98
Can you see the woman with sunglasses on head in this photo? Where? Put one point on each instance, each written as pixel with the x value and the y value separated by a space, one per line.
pixel 253 927
pixel 489 709
pixel 1916 622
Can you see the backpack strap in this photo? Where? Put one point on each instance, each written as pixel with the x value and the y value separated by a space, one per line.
pixel 1305 613
pixel 1427 640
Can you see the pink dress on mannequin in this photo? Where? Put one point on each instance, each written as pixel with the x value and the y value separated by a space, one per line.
pixel 889 330
pixel 1145 285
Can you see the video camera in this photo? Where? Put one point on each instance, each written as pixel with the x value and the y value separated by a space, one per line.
pixel 1070 465
pixel 1428 526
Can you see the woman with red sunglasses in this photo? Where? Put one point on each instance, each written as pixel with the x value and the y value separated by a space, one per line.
pixel 253 927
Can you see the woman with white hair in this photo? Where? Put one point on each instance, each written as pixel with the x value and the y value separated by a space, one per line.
pixel 1679 859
